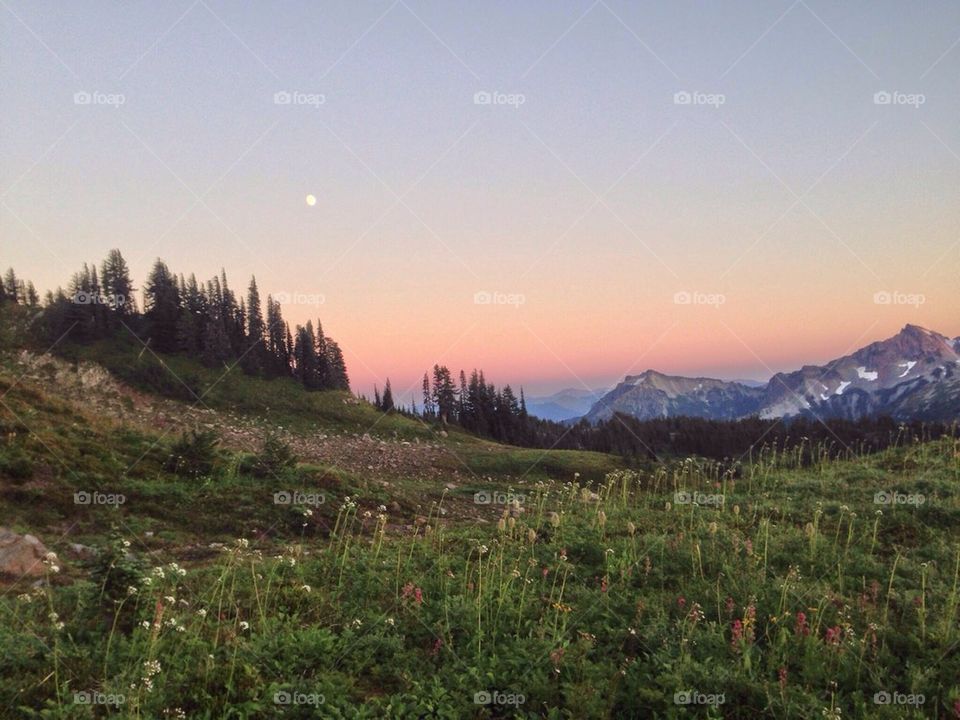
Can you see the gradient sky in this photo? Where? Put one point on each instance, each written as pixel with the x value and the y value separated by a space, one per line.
pixel 596 200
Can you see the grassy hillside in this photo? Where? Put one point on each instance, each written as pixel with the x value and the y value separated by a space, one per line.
pixel 444 576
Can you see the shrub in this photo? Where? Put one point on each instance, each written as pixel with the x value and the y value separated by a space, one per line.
pixel 274 458
pixel 194 454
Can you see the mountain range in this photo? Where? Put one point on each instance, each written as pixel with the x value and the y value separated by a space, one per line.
pixel 564 404
pixel 913 375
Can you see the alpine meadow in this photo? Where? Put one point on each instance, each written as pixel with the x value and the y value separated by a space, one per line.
pixel 410 359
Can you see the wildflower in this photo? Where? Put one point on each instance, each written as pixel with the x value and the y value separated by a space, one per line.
pixel 126 543
pixel 306 588
pixel 484 549
pixel 802 629
pixel 501 525
pixel 601 518
pixel 730 605
pixel 556 657
pixel 202 612
pixel 531 536
pixel 436 647
pixel 180 628
pixel 554 519
pixel 170 599
pixel 244 625
pixel 736 634
pixel 145 624
pixel 782 678
pixel 681 602
pixel 736 509
pixel 833 635
pixel 356 623
pixel 391 622
pixel 25 598
pixel 631 528
pixel 131 590
pixel 158 572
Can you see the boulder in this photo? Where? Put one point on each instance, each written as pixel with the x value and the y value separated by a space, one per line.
pixel 21 554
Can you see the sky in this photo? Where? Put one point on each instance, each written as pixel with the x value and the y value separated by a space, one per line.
pixel 558 192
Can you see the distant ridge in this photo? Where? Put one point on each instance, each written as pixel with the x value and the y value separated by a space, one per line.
pixel 913 375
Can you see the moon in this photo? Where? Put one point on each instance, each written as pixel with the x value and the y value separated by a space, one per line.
pixel 311 200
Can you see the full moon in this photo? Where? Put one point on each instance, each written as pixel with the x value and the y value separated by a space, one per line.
pixel 311 200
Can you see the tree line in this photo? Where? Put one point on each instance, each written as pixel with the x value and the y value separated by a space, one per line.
pixel 205 321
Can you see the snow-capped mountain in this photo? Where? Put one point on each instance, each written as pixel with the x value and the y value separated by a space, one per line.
pixel 914 374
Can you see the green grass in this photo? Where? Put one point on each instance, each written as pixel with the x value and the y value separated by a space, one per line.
pixel 600 595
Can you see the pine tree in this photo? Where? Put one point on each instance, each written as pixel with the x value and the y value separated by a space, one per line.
pixel 428 407
pixel 162 305
pixel 254 356
pixel 444 394
pixel 10 285
pixel 117 286
pixel 337 367
pixel 387 403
